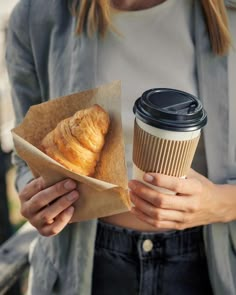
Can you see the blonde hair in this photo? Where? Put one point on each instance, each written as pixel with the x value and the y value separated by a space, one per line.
pixel 95 15
pixel 217 23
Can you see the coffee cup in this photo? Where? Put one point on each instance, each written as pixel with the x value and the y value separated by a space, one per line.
pixel 167 129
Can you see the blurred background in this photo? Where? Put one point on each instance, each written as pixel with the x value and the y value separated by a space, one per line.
pixel 10 218
pixel 6 120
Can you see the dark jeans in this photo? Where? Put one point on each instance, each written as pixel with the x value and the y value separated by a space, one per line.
pixel 129 262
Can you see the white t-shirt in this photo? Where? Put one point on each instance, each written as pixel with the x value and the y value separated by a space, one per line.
pixel 145 56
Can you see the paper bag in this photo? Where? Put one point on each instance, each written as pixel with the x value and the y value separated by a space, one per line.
pixel 102 195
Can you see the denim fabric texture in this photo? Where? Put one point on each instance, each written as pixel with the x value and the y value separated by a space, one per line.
pixel 129 262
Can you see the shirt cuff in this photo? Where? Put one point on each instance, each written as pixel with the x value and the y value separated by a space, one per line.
pixel 23 179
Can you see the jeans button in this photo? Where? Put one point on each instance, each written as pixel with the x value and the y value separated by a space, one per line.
pixel 147 245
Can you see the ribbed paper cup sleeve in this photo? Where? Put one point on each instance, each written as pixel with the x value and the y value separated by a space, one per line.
pixel 169 157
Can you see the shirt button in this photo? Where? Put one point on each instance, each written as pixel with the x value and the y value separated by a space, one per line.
pixel 147 245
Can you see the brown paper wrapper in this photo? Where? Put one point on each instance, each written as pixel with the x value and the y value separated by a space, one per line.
pixel 102 195
pixel 169 157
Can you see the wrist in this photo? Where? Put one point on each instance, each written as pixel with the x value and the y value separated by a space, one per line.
pixel 225 195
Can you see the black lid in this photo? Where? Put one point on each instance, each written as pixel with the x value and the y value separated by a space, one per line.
pixel 170 109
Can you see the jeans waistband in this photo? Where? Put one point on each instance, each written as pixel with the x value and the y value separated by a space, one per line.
pixel 132 242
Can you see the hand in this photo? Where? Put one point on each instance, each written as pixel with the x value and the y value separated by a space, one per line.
pixel 195 203
pixel 48 209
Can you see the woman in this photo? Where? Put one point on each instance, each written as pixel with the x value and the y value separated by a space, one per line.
pixel 157 248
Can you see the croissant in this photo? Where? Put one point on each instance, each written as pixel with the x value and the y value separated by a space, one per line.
pixel 77 141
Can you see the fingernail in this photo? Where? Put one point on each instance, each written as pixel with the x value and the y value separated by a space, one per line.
pixel 148 177
pixel 69 185
pixel 132 186
pixel 72 196
pixel 70 210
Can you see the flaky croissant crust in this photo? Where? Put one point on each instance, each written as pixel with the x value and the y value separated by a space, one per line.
pixel 77 141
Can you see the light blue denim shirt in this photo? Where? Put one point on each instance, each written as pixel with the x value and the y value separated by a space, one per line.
pixel 45 59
